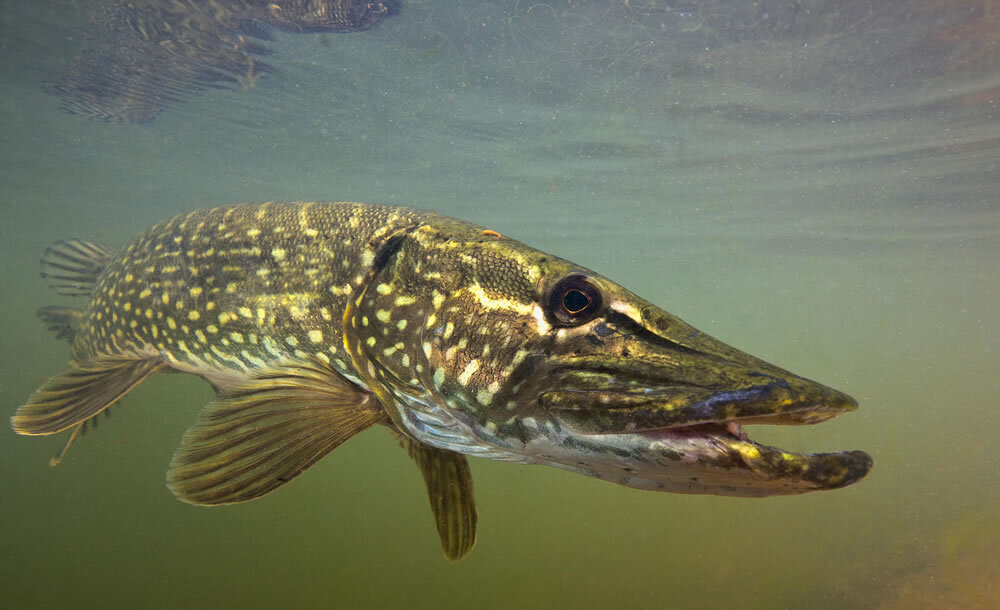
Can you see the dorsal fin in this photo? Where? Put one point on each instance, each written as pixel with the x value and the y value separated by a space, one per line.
pixel 72 266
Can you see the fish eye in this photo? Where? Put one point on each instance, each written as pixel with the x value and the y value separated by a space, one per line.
pixel 575 300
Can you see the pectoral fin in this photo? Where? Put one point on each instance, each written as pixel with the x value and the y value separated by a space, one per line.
pixel 258 435
pixel 449 488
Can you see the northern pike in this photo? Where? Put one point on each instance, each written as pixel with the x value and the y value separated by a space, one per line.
pixel 315 321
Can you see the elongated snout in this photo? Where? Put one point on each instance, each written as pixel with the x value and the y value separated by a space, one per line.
pixel 651 370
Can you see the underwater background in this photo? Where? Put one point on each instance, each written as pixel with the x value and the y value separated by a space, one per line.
pixel 813 182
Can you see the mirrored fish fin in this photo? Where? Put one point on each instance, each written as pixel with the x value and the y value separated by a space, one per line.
pixel 449 488
pixel 260 434
pixel 63 321
pixel 72 266
pixel 76 395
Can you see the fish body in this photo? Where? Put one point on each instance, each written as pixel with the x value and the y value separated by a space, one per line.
pixel 315 321
pixel 223 292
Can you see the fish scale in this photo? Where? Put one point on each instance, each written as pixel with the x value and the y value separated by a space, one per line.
pixel 231 287
pixel 315 321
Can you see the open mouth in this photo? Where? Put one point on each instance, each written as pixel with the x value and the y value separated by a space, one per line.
pixel 697 441
pixel 731 429
pixel 678 422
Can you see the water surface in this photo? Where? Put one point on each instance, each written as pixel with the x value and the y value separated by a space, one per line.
pixel 815 185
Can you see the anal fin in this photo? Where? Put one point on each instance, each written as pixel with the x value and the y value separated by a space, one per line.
pixel 83 391
pixel 258 435
pixel 449 488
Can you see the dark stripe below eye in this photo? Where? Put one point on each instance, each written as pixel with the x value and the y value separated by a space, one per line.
pixel 628 325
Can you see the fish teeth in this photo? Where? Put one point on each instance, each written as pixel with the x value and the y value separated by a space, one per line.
pixel 736 430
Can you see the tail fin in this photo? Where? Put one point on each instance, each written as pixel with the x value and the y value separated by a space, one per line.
pixel 72 266
pixel 63 321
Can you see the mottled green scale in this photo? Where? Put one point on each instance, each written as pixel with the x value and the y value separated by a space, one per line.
pixel 442 323
pixel 233 288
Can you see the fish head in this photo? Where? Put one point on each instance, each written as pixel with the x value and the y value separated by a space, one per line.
pixel 523 356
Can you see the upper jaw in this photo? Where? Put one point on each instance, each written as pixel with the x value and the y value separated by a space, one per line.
pixel 641 368
pixel 611 401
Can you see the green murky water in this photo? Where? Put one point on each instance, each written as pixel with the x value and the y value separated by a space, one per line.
pixel 817 186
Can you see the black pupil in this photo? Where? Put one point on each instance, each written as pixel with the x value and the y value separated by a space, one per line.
pixel 575 300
